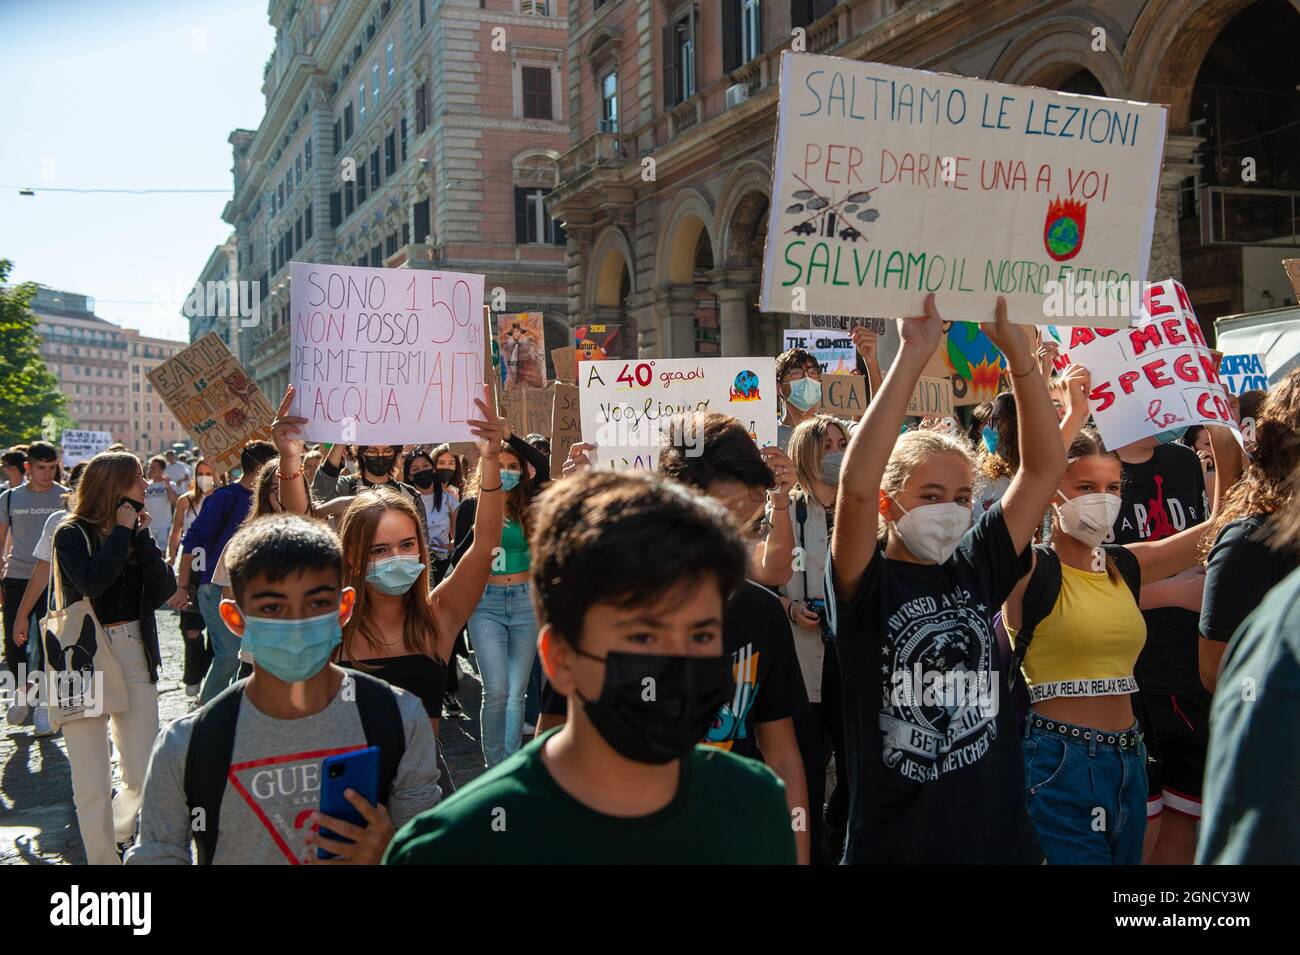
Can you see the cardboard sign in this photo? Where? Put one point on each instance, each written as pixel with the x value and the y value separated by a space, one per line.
pixel 1292 269
pixel 889 183
pixel 832 350
pixel 538 409
pixel 1157 376
pixel 81 446
pixel 522 344
pixel 626 404
pixel 214 399
pixel 931 397
pixel 385 356
pixel 844 396
pixel 566 425
pixel 598 342
pixel 848 322
pixel 970 361
pixel 565 361
pixel 1242 373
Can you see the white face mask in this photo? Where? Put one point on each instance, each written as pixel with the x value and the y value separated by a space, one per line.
pixel 933 531
pixel 205 482
pixel 1089 517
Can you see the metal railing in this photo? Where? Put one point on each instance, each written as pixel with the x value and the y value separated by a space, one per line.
pixel 1240 215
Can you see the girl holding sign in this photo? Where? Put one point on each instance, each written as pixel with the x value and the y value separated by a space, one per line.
pixel 1084 755
pixel 934 761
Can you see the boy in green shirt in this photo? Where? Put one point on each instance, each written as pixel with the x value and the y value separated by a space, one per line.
pixel 630 576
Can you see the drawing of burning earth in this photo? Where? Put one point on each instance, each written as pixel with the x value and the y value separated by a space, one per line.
pixel 1064 227
pixel 745 387
pixel 971 355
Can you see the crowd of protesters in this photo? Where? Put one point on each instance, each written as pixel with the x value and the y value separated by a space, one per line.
pixel 885 640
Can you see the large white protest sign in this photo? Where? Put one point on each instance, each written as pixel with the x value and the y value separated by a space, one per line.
pixel 1157 376
pixel 832 349
pixel 624 405
pixel 81 446
pixel 1242 373
pixel 889 183
pixel 386 356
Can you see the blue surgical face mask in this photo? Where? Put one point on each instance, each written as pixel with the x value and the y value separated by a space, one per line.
pixel 394 575
pixel 1165 437
pixel 991 439
pixel 805 393
pixel 510 480
pixel 292 650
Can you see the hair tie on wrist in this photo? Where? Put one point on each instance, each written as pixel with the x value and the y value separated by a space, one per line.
pixel 488 490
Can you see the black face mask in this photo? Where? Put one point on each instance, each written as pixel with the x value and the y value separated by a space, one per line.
pixel 138 505
pixel 423 480
pixel 445 475
pixel 377 466
pixel 654 708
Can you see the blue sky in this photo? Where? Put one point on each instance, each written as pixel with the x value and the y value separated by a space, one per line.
pixel 123 94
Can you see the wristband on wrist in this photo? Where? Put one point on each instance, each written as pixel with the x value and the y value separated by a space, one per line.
pixel 291 477
pixel 489 490
pixel 1020 374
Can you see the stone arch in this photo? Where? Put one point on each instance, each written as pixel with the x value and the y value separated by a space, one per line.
pixel 745 196
pixel 610 255
pixel 689 216
pixel 1167 47
pixel 536 167
pixel 1059 47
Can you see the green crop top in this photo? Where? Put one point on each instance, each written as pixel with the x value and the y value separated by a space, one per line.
pixel 514 543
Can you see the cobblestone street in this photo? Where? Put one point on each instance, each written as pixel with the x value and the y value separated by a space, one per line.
pixel 38 824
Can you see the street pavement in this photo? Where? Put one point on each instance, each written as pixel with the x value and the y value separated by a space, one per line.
pixel 38 825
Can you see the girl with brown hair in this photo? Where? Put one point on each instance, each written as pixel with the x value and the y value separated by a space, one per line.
pixel 103 551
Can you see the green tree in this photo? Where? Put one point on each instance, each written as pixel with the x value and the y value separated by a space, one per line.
pixel 29 394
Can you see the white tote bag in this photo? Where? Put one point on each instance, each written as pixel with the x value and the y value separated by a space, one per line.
pixel 83 675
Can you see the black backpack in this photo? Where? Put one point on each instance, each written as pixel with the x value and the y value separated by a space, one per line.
pixel 212 745
pixel 1044 588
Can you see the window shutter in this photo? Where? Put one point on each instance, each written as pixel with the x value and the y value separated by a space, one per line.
pixel 336 209
pixel 731 36
pixel 521 216
pixel 670 67
pixel 801 13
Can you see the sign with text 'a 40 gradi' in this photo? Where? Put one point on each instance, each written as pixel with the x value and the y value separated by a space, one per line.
pixel 214 399
pixel 889 183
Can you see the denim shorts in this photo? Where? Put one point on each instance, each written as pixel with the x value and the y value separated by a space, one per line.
pixel 1086 797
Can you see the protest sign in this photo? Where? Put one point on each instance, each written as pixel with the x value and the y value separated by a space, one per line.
pixel 889 183
pixel 1242 373
pixel 385 356
pixel 565 361
pixel 844 396
pixel 1156 376
pixel 931 397
pixel 537 410
pixel 831 349
pixel 848 322
pixel 566 425
pixel 598 341
pixel 625 404
pixel 214 399
pixel 1292 269
pixel 81 446
pixel 970 361
pixel 522 345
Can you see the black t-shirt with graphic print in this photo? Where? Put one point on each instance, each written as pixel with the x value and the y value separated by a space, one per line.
pixel 935 768
pixel 1161 497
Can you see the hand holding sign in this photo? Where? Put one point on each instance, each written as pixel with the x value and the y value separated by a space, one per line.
pixel 490 430
pixel 1078 382
pixel 866 342
pixel 1010 339
pixel 286 428
pixel 922 333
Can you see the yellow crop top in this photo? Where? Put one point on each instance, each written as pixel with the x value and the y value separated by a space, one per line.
pixel 1088 644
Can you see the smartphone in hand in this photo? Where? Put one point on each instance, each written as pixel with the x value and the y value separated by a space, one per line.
pixel 358 770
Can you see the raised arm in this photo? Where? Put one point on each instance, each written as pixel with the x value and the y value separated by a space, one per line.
pixel 1171 555
pixel 1078 383
pixel 455 598
pixel 867 344
pixel 857 508
pixel 285 432
pixel 772 562
pixel 1042 459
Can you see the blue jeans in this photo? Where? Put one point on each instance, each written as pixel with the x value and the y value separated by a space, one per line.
pixel 503 632
pixel 225 645
pixel 1087 800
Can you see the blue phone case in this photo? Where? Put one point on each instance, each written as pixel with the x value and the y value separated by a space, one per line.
pixel 357 770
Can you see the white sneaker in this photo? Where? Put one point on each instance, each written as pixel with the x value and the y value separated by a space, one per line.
pixel 17 714
pixel 192 689
pixel 41 720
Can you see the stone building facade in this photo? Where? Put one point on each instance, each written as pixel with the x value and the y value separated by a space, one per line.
pixel 405 134
pixel 693 87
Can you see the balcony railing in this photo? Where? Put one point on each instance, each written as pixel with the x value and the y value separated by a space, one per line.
pixel 272 342
pixel 597 150
pixel 824 34
pixel 684 116
pixel 1240 215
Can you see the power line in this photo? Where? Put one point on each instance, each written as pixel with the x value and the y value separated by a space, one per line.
pixel 132 192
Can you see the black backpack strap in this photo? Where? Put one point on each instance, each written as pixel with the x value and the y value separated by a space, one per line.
pixel 1036 605
pixel 207 766
pixel 1128 567
pixel 381 721
pixel 801 515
